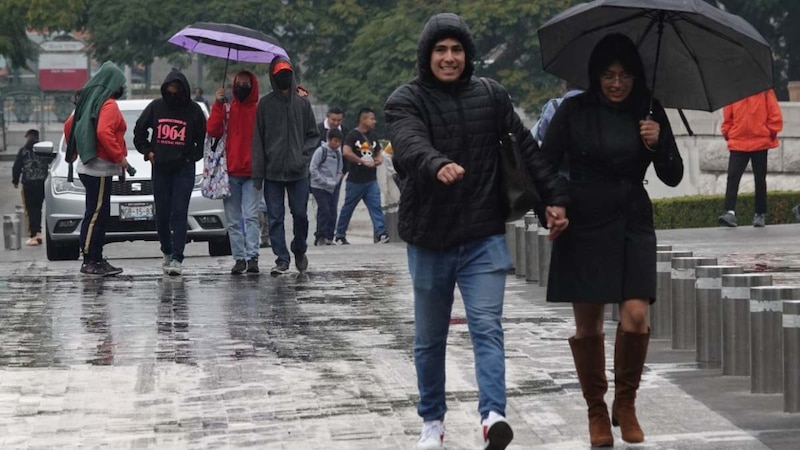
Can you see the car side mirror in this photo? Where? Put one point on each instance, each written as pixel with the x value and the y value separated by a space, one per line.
pixel 43 148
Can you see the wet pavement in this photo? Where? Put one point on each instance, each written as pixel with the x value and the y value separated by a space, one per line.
pixel 323 360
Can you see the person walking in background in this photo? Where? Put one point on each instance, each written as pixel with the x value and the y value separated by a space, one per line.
pixel 170 134
pixel 236 120
pixel 198 96
pixel 32 169
pixel 95 136
pixel 608 254
pixel 333 120
pixel 751 127
pixel 286 136
pixel 326 174
pixel 451 217
pixel 363 152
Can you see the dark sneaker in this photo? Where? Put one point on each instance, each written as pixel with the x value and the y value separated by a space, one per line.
pixel 175 268
pixel 301 261
pixel 280 269
pixel 760 220
pixel 92 269
pixel 252 265
pixel 341 241
pixel 382 239
pixel 727 220
pixel 239 267
pixel 321 242
pixel 109 269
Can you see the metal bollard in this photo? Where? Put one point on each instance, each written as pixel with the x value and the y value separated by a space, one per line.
pixel 545 248
pixel 661 310
pixel 511 243
pixel 709 311
pixel 766 337
pixel 663 248
pixel 791 356
pixel 12 232
pixel 23 218
pixel 683 300
pixel 532 251
pixel 520 241
pixel 736 320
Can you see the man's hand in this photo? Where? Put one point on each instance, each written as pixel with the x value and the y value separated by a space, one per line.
pixel 258 183
pixel 557 221
pixel 450 173
pixel 220 95
pixel 151 157
pixel 649 130
pixel 16 186
pixel 370 164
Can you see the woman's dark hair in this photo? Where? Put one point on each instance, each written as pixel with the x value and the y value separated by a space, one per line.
pixel 618 48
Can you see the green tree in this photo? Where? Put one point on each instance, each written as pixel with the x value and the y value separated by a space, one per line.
pixel 14 42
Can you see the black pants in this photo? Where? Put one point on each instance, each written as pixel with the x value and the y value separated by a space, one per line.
pixel 98 210
pixel 736 166
pixel 172 191
pixel 33 198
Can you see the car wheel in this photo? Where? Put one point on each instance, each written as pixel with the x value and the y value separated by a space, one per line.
pixel 66 251
pixel 219 247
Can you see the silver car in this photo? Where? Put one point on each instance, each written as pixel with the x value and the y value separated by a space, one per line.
pixel 132 205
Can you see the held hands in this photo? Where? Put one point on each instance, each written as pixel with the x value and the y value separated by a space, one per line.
pixel 450 173
pixel 557 221
pixel 649 130
pixel 220 95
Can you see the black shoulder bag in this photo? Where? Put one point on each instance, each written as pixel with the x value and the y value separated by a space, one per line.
pixel 519 191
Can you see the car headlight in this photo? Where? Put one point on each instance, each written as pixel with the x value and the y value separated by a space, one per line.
pixel 62 186
pixel 198 180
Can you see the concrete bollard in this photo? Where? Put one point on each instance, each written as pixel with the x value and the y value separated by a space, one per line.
pixel 791 356
pixel 736 320
pixel 661 310
pixel 663 248
pixel 709 311
pixel 684 299
pixel 766 337
pixel 511 243
pixel 520 241
pixel 545 248
pixel 532 251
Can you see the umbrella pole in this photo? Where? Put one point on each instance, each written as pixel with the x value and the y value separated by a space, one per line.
pixel 661 16
pixel 225 72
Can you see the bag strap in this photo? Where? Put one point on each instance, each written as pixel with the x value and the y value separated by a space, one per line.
pixel 499 120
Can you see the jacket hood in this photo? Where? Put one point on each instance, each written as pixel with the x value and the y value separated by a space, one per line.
pixel 177 75
pixel 251 99
pixel 276 61
pixel 443 26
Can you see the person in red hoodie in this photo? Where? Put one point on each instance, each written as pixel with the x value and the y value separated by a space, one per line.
pixel 751 127
pixel 237 121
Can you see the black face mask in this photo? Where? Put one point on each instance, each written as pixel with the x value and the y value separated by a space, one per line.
pixel 116 95
pixel 242 92
pixel 173 98
pixel 283 79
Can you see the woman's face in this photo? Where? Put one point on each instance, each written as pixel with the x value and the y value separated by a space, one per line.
pixel 616 84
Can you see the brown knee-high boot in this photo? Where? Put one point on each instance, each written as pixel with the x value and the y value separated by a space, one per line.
pixel 630 352
pixel 590 363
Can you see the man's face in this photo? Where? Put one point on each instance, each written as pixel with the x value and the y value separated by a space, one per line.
pixel 448 60
pixel 334 120
pixel 368 120
pixel 173 88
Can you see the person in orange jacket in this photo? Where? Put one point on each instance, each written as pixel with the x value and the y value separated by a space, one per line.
pixel 751 127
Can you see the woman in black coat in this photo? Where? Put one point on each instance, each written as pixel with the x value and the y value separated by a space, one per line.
pixel 603 141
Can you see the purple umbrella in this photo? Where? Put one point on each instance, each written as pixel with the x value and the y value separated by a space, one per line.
pixel 232 42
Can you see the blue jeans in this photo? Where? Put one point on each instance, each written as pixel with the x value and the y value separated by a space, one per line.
pixel 242 205
pixel 172 192
pixel 371 194
pixel 297 192
pixel 326 213
pixel 479 268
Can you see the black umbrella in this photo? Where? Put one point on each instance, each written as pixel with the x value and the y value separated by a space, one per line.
pixel 696 56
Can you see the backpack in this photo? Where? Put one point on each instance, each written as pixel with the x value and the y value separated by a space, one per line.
pixel 536 130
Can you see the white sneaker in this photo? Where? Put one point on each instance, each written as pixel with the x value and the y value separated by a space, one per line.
pixel 165 264
pixel 175 268
pixel 497 432
pixel 432 436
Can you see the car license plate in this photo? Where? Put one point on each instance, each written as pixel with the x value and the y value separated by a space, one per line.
pixel 136 211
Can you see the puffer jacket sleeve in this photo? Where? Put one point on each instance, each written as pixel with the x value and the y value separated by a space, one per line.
pixel 410 136
pixel 551 187
pixel 666 159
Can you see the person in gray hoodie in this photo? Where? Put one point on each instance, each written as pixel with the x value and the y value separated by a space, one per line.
pixel 326 173
pixel 284 139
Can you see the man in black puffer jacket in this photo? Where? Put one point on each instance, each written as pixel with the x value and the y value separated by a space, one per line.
pixel 444 130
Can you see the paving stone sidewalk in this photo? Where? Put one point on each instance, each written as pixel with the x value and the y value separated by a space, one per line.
pixel 321 361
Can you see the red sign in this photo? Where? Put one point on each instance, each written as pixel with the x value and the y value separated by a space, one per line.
pixel 63 71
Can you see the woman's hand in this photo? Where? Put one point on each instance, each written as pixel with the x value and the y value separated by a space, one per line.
pixel 649 130
pixel 557 221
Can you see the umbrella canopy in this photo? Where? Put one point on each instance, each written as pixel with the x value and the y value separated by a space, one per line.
pixel 232 42
pixel 696 56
